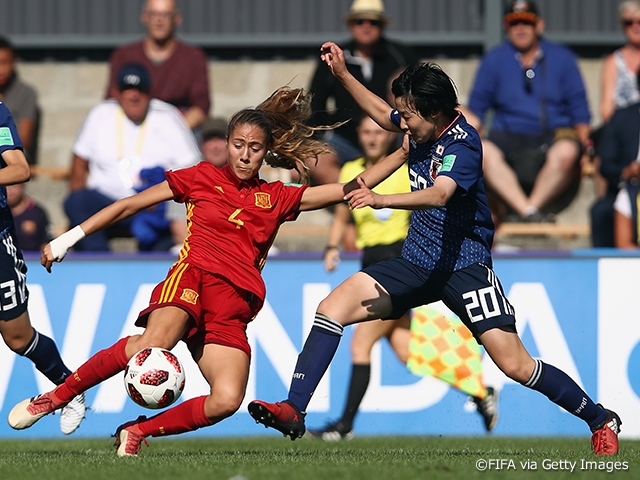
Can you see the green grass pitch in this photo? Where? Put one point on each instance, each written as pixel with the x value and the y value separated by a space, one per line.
pixel 363 458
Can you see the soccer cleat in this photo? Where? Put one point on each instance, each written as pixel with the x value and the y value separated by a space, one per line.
pixel 129 443
pixel 283 416
pixel 488 408
pixel 72 414
pixel 605 439
pixel 332 432
pixel 29 411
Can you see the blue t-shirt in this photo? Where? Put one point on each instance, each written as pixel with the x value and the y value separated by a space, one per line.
pixel 9 140
pixel 460 233
pixel 501 85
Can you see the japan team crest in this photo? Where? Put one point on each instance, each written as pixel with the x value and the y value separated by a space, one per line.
pixel 436 165
pixel 263 200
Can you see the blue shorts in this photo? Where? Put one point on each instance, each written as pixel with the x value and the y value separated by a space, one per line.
pixel 473 293
pixel 13 280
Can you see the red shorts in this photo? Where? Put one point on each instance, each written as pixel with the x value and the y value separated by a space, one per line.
pixel 219 310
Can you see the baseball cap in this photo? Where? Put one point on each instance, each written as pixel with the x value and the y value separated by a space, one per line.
pixel 134 75
pixel 521 10
pixel 367 10
pixel 213 127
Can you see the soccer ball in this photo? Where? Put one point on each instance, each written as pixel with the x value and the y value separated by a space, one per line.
pixel 154 378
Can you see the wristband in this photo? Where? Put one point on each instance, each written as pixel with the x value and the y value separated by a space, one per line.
pixel 61 245
pixel 330 247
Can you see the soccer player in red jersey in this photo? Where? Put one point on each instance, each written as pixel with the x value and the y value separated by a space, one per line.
pixel 215 288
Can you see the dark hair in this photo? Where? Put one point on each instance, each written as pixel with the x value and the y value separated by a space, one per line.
pixel 5 43
pixel 426 88
pixel 282 118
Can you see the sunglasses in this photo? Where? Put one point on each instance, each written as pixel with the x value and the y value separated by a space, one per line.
pixel 361 21
pixel 521 22
pixel 627 23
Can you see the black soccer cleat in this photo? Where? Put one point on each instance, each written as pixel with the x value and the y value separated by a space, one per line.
pixel 283 416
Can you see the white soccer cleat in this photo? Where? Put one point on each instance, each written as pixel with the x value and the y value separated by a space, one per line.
pixel 72 414
pixel 29 411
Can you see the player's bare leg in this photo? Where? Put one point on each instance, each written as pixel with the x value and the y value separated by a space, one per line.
pixel 226 369
pixel 509 354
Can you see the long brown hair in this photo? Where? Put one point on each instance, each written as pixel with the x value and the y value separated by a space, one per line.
pixel 281 117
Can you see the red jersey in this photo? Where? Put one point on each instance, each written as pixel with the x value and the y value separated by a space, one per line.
pixel 232 223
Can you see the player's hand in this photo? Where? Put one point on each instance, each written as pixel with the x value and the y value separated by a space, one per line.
pixel 331 259
pixel 47 258
pixel 333 56
pixel 363 197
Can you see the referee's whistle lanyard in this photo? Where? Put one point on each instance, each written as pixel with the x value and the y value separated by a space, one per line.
pixel 129 167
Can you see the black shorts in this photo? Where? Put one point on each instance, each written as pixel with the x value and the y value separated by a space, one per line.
pixel 13 280
pixel 474 293
pixel 379 253
pixel 526 154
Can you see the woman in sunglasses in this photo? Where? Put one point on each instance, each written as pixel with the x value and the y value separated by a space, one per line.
pixel 618 87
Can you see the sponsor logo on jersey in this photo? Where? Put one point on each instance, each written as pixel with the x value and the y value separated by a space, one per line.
pixel 5 136
pixel 447 163
pixel 263 200
pixel 189 296
pixel 219 188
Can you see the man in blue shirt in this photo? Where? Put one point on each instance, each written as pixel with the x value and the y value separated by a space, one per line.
pixel 541 115
pixel 446 256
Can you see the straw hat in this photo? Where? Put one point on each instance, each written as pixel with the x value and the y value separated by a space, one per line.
pixel 367 10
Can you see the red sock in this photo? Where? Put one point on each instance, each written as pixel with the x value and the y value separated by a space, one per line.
pixel 104 364
pixel 184 417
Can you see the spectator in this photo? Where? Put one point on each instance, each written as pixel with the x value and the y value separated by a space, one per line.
pixel 380 234
pixel 541 116
pixel 21 100
pixel 372 59
pixel 213 141
pixel 618 90
pixel 178 70
pixel 126 144
pixel 618 151
pixel 32 223
pixel 618 87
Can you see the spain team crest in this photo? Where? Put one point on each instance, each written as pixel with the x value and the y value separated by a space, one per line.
pixel 263 200
pixel 189 296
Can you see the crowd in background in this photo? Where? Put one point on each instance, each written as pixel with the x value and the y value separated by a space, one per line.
pixel 528 99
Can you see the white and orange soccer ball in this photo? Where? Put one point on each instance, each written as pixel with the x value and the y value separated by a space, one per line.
pixel 154 378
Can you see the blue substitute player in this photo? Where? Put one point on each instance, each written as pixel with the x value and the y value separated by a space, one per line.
pixel 446 256
pixel 15 326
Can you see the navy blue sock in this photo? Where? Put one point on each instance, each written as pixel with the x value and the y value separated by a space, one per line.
pixel 313 361
pixel 563 391
pixel 42 351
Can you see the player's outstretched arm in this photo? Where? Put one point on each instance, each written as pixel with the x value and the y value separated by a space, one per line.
pixel 433 197
pixel 117 211
pixel 372 104
pixel 322 196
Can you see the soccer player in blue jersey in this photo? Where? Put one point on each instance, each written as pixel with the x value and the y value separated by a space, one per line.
pixel 446 256
pixel 15 325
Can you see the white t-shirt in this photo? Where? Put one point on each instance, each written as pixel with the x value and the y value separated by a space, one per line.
pixel 117 149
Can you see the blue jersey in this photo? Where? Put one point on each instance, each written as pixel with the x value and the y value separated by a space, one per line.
pixel 459 234
pixel 9 140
